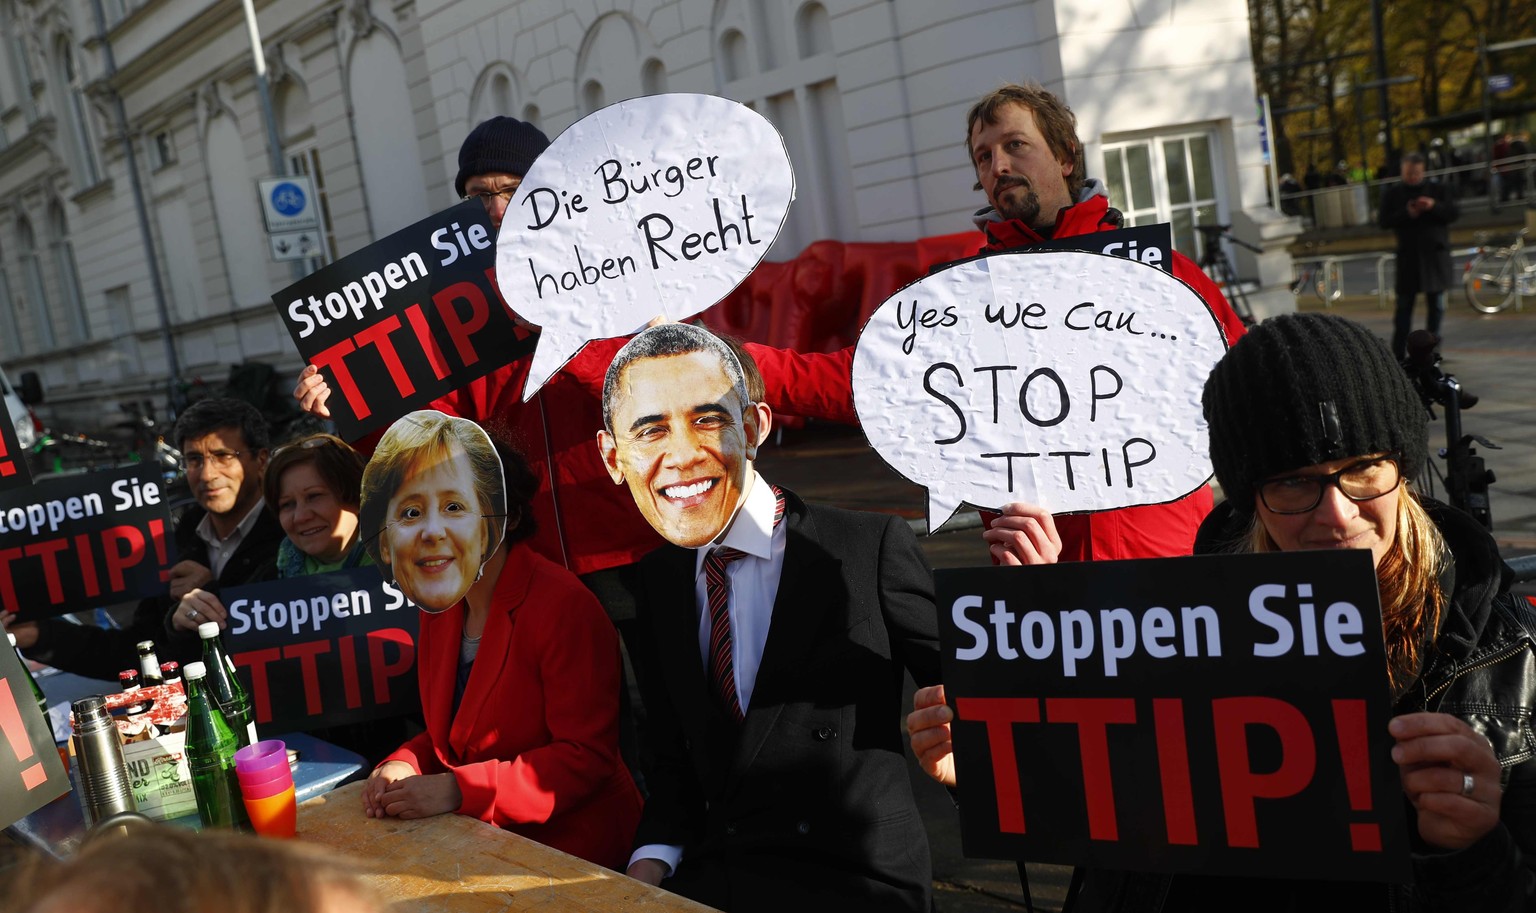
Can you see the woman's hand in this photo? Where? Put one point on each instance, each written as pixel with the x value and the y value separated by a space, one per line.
pixel 1435 753
pixel 421 796
pixel 1023 534
pixel 197 607
pixel 312 391
pixel 380 780
pixel 928 728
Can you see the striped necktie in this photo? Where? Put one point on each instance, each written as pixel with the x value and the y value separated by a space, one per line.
pixel 717 590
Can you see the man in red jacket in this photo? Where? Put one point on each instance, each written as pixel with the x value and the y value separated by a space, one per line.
pixel 1023 143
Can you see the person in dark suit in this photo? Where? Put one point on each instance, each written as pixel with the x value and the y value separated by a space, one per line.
pixel 228 538
pixel 774 637
pixel 1420 213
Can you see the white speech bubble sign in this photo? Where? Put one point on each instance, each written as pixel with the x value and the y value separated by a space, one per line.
pixel 1068 379
pixel 658 205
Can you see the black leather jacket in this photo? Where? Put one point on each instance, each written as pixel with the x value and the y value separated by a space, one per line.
pixel 1482 668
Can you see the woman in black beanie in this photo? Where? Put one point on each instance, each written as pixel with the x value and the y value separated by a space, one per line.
pixel 1316 435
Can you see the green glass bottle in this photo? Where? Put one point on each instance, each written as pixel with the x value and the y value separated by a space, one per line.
pixel 210 751
pixel 37 692
pixel 224 685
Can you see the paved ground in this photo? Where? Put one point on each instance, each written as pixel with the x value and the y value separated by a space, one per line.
pixel 1492 356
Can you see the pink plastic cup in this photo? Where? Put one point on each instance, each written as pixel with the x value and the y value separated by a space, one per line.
pixel 254 791
pixel 257 758
pixel 275 775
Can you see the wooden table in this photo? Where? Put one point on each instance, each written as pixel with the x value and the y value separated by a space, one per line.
pixel 456 863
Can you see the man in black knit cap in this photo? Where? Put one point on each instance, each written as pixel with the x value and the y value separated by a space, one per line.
pixel 493 160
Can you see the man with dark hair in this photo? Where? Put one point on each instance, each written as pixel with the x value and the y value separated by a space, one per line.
pixel 1022 141
pixel 1419 213
pixel 228 538
pixel 774 635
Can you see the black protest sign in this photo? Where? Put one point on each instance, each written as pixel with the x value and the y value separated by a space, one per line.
pixel 14 472
pixel 324 649
pixel 74 543
pixel 1219 715
pixel 405 320
pixel 1150 244
pixel 31 774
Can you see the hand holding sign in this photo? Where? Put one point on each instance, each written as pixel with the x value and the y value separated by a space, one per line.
pixel 656 205
pixel 1066 379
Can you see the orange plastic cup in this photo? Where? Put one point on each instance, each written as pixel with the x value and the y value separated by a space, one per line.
pixel 274 816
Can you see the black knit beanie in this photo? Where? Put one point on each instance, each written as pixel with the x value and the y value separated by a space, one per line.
pixel 503 144
pixel 1302 389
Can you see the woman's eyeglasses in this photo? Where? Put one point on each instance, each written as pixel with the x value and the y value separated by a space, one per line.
pixel 1363 481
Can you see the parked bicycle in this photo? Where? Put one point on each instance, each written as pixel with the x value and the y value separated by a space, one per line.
pixel 1500 276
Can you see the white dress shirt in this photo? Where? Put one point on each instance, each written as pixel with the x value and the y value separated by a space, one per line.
pixel 221 550
pixel 754 586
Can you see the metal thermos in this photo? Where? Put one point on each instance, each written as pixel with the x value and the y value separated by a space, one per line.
pixel 99 761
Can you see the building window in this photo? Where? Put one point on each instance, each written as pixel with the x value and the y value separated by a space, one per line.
pixel 306 161
pixel 80 122
pixel 162 150
pixel 125 362
pixel 9 319
pixel 800 96
pixel 69 276
pixel 1168 178
pixel 653 77
pixel 36 292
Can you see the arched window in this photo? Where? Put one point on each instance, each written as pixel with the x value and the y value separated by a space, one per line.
pixel 10 320
pixel 36 291
pixel 653 77
pixel 495 95
pixel 389 153
pixel 501 92
pixel 592 96
pixel 531 115
pixel 733 56
pixel 302 152
pixel 69 276
pixel 81 136
pixel 812 30
pixel 238 215
pixel 620 60
pixel 792 81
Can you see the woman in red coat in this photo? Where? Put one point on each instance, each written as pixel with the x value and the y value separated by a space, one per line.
pixel 517 663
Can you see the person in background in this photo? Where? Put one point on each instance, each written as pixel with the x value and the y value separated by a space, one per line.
pixel 517 665
pixel 1419 212
pixel 315 486
pixel 228 538
pixel 1024 148
pixel 1324 461
pixel 315 483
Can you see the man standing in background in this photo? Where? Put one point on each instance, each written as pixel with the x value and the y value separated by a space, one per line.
pixel 1420 214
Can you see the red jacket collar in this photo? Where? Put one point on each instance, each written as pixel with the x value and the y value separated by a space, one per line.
pixel 1082 218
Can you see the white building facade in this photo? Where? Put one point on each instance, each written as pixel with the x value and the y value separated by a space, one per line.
pixel 371 99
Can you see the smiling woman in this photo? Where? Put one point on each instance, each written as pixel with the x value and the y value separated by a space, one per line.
pixel 314 485
pixel 434 507
pixel 517 664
